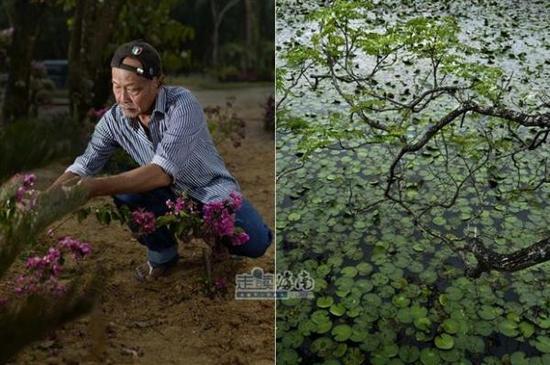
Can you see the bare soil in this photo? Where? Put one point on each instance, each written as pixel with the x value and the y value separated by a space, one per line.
pixel 171 320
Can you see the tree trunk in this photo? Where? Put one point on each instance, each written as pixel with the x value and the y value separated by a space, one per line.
pixel 89 71
pixel 75 61
pixel 252 33
pixel 217 17
pixel 26 17
pixel 488 260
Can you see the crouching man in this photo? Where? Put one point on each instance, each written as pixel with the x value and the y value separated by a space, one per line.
pixel 163 129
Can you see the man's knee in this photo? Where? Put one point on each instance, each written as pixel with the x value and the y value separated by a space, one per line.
pixel 257 245
pixel 126 199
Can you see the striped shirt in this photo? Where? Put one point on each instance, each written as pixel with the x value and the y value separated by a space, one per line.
pixel 178 141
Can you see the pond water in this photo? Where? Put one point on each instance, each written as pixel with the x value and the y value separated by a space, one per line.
pixel 386 291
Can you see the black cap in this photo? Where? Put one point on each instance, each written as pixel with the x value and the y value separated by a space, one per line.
pixel 144 53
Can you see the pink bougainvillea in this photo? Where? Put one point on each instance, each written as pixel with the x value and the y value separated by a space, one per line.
pixel 43 272
pixel 145 221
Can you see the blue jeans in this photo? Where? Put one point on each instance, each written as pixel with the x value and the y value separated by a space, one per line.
pixel 162 245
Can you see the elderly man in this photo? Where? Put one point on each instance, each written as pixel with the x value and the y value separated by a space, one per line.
pixel 164 130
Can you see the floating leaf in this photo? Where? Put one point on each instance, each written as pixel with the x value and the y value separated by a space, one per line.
pixel 293 217
pixel 422 323
pixel 409 354
pixel 508 328
pixel 364 268
pixel 526 329
pixel 451 326
pixel 341 332
pixel 543 344
pixel 338 309
pixel 518 358
pixel 444 341
pixel 401 301
pixel 325 302
pixel 322 346
pixel 429 357
pixel 349 271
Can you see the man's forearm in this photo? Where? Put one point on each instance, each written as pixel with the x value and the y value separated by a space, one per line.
pixel 138 180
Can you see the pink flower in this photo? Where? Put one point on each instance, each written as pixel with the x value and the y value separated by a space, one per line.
pixel 178 206
pixel 43 272
pixel 28 180
pixel 20 194
pixel 74 246
pixel 25 196
pixel 237 199
pixel 240 239
pixel 144 220
pixel 220 284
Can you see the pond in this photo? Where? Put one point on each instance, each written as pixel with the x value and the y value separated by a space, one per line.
pixel 390 283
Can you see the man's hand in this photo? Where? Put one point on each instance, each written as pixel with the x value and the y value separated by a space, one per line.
pixel 66 179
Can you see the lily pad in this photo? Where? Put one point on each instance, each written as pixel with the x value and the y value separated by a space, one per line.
pixel 325 302
pixel 409 354
pixel 508 328
pixel 349 271
pixel 429 357
pixel 364 285
pixel 401 301
pixel 364 268
pixel 543 344
pixel 338 309
pixel 488 313
pixel 422 323
pixel 341 332
pixel 440 221
pixel 451 326
pixel 518 358
pixel 526 329
pixel 444 341
pixel 294 217
pixel 322 346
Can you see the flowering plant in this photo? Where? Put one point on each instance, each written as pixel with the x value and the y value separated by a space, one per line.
pixel 47 298
pixel 215 221
pixel 43 273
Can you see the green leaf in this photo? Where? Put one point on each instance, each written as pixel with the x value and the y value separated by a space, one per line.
pixel 543 344
pixel 325 302
pixel 526 329
pixel 429 357
pixel 451 326
pixel 444 341
pixel 341 332
pixel 294 217
pixel 349 271
pixel 338 309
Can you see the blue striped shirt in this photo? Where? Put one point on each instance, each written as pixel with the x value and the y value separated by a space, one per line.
pixel 179 142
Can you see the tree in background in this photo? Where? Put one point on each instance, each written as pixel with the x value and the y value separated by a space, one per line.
pixel 26 16
pixel 91 49
pixel 231 38
pixel 92 27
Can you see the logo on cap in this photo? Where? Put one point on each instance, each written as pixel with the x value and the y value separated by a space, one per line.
pixel 136 50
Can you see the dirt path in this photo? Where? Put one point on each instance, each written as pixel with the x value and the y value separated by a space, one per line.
pixel 171 321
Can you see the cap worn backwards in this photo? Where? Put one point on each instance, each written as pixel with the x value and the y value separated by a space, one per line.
pixel 144 53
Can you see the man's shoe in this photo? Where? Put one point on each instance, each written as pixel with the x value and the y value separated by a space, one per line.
pixel 148 272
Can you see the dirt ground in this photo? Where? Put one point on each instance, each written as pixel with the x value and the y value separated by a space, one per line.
pixel 171 321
